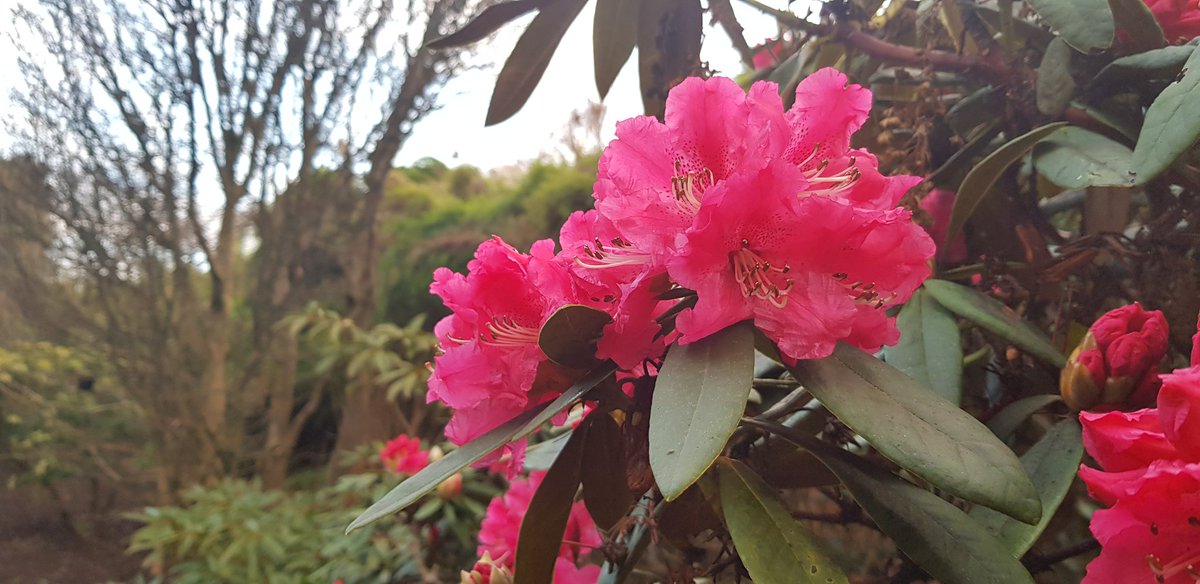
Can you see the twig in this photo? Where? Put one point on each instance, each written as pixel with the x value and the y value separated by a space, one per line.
pixel 722 13
pixel 1040 563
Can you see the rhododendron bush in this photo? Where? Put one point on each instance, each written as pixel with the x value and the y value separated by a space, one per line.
pixel 819 295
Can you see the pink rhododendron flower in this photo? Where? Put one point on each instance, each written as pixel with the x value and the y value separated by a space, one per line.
pixel 768 53
pixel 1116 364
pixel 767 214
pixel 502 526
pixel 404 454
pixel 1179 19
pixel 1151 482
pixel 938 204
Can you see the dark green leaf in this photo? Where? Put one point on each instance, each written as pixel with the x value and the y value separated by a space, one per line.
pixel 919 431
pixel 668 42
pixel 569 336
pixel 772 545
pixel 784 466
pixel 995 318
pixel 700 395
pixel 1052 464
pixel 543 525
pixel 529 58
pixel 1172 123
pixel 1075 158
pixel 603 471
pixel 1055 86
pixel 973 111
pixel 541 455
pixel 613 36
pixel 519 427
pixel 981 178
pixel 1007 420
pixel 487 22
pixel 1086 25
pixel 936 535
pixel 1141 28
pixel 930 350
pixel 1163 63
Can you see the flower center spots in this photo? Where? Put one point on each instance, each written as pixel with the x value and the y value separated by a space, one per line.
pixel 505 332
pixel 689 187
pixel 758 278
pixel 617 253
pixel 863 292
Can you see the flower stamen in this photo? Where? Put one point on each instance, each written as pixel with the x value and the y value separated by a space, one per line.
pixel 689 187
pixel 618 253
pixel 864 292
pixel 758 278
pixel 834 183
pixel 505 332
pixel 1188 564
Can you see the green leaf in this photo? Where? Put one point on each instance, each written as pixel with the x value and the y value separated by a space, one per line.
pixel 919 431
pixel 995 318
pixel 981 178
pixel 936 535
pixel 1075 158
pixel 1172 123
pixel 603 472
pixel 700 396
pixel 431 476
pixel 1007 420
pixel 1055 86
pixel 545 522
pixel 569 336
pixel 613 38
pixel 529 58
pixel 1141 28
pixel 772 545
pixel 1086 25
pixel 668 43
pixel 487 22
pixel 1052 464
pixel 541 455
pixel 1164 63
pixel 930 348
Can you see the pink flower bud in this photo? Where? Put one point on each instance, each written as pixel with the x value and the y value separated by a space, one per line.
pixel 450 488
pixel 404 455
pixel 1116 364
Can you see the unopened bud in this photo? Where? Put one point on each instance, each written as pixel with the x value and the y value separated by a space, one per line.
pixel 486 571
pixel 450 488
pixel 1116 364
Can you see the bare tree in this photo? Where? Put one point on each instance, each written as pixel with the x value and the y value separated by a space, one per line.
pixel 176 135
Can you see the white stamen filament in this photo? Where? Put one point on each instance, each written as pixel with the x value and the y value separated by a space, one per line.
pixel 836 183
pixel 689 188
pixel 1189 565
pixel 505 332
pixel 618 253
pixel 758 278
pixel 863 292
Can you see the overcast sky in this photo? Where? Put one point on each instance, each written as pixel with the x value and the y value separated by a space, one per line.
pixel 455 132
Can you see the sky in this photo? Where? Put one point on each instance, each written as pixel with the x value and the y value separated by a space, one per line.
pixel 455 133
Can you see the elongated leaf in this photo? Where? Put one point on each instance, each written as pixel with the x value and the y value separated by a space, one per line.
pixel 1007 420
pixel 668 42
pixel 1055 86
pixel 1172 123
pixel 487 22
pixel 1141 28
pixel 543 526
pixel 529 58
pixel 569 336
pixel 930 348
pixel 772 545
pixel 603 471
pixel 919 431
pixel 613 37
pixel 441 469
pixel 1086 24
pixel 541 455
pixel 570 396
pixel 1074 158
pixel 995 318
pixel 981 178
pixel 519 427
pixel 1052 464
pixel 1163 63
pixel 936 535
pixel 701 393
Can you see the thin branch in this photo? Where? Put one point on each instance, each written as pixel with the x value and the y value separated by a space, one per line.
pixel 1040 563
pixel 722 14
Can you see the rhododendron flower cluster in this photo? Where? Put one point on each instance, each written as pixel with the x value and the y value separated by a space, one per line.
pixel 759 213
pixel 1179 19
pixel 403 454
pixel 1150 532
pixel 502 526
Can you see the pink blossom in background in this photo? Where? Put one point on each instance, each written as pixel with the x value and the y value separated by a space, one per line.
pixel 404 455
pixel 938 204
pixel 768 54
pixel 1179 19
pixel 1150 532
pixel 502 526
